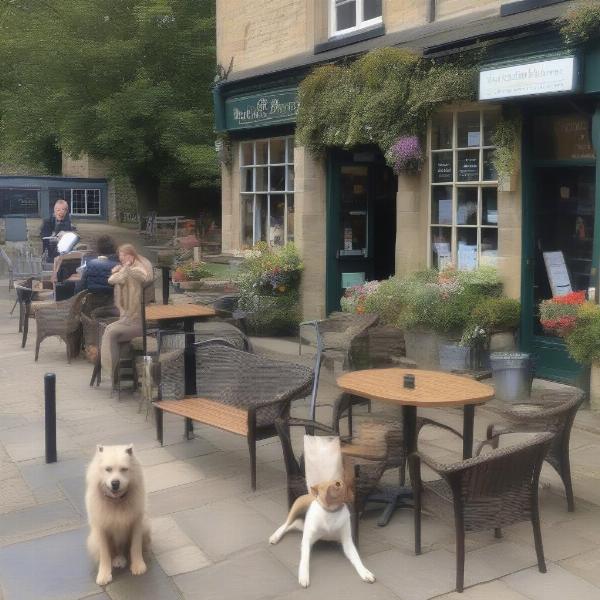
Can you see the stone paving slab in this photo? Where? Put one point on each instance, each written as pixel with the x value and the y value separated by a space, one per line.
pixel 556 584
pixel 37 520
pixel 51 568
pixel 251 576
pixel 585 565
pixel 224 527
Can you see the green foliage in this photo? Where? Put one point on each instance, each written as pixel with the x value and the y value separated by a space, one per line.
pixel 583 343
pixel 581 23
pixel 496 314
pixel 506 139
pixel 269 280
pixel 128 82
pixel 191 271
pixel 386 93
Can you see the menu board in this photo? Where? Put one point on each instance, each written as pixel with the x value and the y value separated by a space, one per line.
pixel 558 276
pixel 442 168
pixel 468 166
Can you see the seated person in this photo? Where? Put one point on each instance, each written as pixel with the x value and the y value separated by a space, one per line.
pixel 97 269
pixel 59 221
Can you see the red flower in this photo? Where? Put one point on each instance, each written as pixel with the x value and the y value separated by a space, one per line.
pixel 570 298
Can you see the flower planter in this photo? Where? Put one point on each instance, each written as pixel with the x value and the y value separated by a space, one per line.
pixel 454 357
pixel 513 375
pixel 191 286
pixel 423 347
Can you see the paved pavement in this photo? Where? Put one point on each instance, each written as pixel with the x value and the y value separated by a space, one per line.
pixel 210 531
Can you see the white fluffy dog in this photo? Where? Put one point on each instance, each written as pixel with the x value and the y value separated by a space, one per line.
pixel 115 500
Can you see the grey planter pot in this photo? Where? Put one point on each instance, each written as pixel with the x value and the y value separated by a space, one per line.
pixel 454 357
pixel 423 347
pixel 513 375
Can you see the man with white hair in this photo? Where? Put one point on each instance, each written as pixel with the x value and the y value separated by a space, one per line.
pixel 59 221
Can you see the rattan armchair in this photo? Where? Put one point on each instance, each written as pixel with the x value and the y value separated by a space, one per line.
pixel 554 412
pixel 61 319
pixel 487 492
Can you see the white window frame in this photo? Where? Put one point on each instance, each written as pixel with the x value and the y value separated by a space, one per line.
pixel 360 23
pixel 288 191
pixel 86 212
pixel 480 184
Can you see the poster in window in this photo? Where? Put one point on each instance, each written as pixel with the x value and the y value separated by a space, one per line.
pixel 558 276
pixel 467 257
pixel 468 166
pixel 442 167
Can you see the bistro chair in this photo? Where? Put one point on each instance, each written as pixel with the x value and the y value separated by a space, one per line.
pixel 62 319
pixel 487 492
pixel 554 412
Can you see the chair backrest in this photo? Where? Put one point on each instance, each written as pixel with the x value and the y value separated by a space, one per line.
pixel 174 339
pixel 76 303
pixel 244 379
pixel 6 258
pixel 503 482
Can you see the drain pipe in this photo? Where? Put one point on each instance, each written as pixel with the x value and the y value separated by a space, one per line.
pixel 431 11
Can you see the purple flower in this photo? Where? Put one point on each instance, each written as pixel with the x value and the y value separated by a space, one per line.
pixel 405 154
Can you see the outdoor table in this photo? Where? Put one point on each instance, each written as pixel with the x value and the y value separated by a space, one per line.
pixel 432 389
pixel 188 314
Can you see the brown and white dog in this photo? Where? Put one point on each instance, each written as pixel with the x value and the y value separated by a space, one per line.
pixel 326 517
pixel 115 500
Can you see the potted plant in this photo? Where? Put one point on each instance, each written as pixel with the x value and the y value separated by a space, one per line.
pixel 190 275
pixel 583 344
pixel 269 282
pixel 558 315
pixel 405 155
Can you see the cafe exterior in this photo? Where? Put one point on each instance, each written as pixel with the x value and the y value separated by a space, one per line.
pixel 354 219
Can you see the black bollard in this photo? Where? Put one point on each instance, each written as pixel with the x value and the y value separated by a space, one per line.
pixel 50 410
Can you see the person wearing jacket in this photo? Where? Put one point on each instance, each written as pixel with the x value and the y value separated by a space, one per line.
pixel 59 221
pixel 129 279
pixel 97 269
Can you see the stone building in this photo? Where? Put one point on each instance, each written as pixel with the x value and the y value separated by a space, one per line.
pixel 351 217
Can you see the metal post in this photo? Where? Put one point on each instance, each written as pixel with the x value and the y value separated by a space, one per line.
pixel 50 412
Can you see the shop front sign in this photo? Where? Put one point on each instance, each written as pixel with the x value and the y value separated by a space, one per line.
pixel 554 76
pixel 257 110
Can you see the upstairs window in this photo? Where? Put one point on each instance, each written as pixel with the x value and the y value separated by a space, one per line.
pixel 347 16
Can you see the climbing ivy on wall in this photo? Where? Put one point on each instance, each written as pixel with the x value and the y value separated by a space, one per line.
pixel 385 94
pixel 581 23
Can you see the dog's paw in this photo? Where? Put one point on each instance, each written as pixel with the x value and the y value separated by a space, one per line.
pixel 104 578
pixel 304 580
pixel 138 567
pixel 367 576
pixel 118 562
pixel 274 538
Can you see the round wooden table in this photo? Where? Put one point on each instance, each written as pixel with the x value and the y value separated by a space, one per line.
pixel 432 389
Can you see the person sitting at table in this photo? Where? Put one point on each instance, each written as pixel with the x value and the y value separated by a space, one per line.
pixel 129 278
pixel 59 221
pixel 97 268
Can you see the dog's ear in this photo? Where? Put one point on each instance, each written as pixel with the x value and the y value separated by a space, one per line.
pixel 314 490
pixel 129 449
pixel 100 448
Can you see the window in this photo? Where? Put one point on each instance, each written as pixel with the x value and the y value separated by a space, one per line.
pixel 267 191
pixel 464 194
pixel 347 16
pixel 81 201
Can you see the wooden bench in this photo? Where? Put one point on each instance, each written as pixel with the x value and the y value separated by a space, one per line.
pixel 233 419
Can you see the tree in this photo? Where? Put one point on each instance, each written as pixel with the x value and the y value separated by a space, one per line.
pixel 128 81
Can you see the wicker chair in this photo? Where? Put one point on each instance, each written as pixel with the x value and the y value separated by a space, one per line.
pixel 252 391
pixel 555 412
pixel 90 323
pixel 366 464
pixel 61 319
pixel 29 300
pixel 487 492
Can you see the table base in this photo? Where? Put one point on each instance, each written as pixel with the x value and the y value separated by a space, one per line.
pixel 393 497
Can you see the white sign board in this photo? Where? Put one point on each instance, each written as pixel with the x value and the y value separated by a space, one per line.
pixel 543 77
pixel 560 284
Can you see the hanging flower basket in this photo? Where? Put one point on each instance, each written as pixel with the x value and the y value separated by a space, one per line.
pixel 558 315
pixel 406 155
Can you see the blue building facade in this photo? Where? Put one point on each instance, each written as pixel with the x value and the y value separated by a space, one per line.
pixel 35 196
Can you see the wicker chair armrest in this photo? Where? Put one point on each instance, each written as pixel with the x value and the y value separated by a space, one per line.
pixel 53 310
pixel 439 468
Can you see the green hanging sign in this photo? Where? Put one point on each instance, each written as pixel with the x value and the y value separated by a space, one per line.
pixel 257 110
